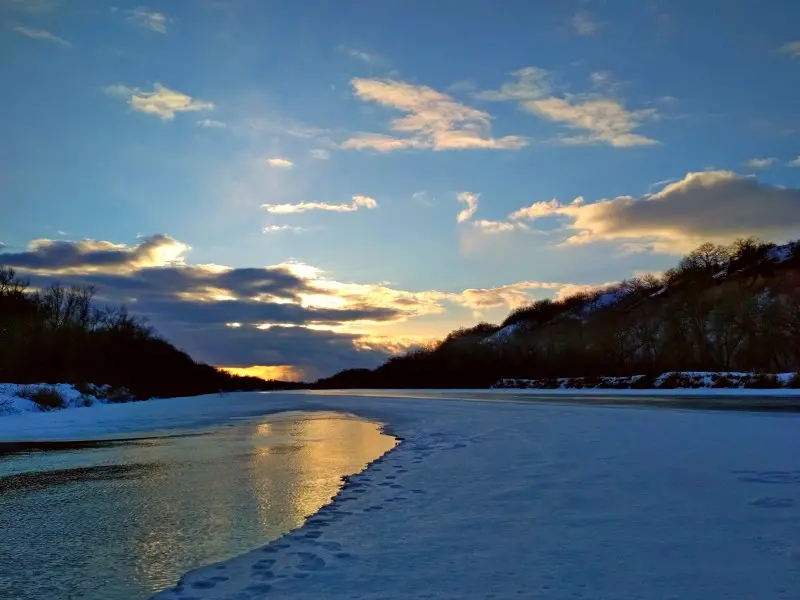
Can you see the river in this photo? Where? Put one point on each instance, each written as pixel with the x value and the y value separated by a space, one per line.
pixel 125 519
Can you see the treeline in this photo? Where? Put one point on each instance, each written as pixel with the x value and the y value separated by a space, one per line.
pixel 722 308
pixel 59 335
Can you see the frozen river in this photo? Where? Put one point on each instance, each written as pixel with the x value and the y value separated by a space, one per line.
pixel 122 520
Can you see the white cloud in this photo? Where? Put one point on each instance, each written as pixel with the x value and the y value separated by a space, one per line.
pixel 705 206
pixel 357 203
pixel 795 162
pixel 282 228
pixel 41 34
pixel 791 48
pixel 497 227
pixel 585 24
pixel 537 210
pixel 280 163
pixel 422 198
pixel 320 154
pixel 152 20
pixel 604 120
pixel 531 83
pixel 366 57
pixel 471 201
pixel 512 295
pixel 601 119
pixel 162 101
pixel 432 120
pixel 210 123
pixel 760 163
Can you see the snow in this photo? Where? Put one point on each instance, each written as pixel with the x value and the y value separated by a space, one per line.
pixel 504 334
pixel 492 494
pixel 725 383
pixel 659 292
pixel 11 402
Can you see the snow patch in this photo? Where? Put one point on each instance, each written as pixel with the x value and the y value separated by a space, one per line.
pixel 697 380
pixel 503 335
pixel 12 400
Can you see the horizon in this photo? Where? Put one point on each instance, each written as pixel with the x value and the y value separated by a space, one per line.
pixel 291 191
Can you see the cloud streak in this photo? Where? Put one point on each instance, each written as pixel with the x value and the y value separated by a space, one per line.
pixel 470 199
pixel 280 163
pixel 433 120
pixel 585 24
pixel 357 203
pixel 791 48
pixel 42 34
pixel 148 19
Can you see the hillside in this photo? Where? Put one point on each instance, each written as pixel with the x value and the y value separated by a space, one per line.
pixel 58 335
pixel 722 308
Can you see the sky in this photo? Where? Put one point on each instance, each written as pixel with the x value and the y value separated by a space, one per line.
pixel 292 188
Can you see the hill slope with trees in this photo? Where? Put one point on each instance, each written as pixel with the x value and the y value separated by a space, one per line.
pixel 722 308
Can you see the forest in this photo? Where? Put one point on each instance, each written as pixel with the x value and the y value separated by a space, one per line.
pixel 59 335
pixel 721 308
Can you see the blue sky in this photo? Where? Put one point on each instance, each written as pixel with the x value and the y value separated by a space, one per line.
pixel 387 155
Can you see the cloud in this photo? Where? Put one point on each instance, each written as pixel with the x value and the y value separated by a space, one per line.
pixel 512 296
pixel 433 120
pixel 285 315
pixel 471 201
pixel 32 5
pixel 320 154
pixel 280 163
pixel 604 120
pixel 41 34
pixel 358 202
pixel 162 101
pixel 282 228
pixel 497 227
pixel 584 24
pixel 600 119
pixel 154 21
pixel 791 48
pixel 760 163
pixel 531 83
pixel 705 206
pixel 210 123
pixel 422 198
pixel 795 162
pixel 45 255
pixel 366 57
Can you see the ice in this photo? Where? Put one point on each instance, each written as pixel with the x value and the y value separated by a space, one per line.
pixel 499 496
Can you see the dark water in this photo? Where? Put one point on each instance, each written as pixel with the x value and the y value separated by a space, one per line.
pixel 126 519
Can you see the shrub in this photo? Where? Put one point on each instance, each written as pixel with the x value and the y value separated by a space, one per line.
pixel 723 382
pixel 643 382
pixel 119 395
pixel 46 398
pixel 6 404
pixel 671 381
pixel 762 382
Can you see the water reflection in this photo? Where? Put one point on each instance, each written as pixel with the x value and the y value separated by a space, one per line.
pixel 126 520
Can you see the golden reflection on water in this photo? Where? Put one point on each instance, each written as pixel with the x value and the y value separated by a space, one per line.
pixel 243 487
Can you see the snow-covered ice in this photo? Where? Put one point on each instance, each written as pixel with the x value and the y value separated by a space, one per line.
pixel 502 498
